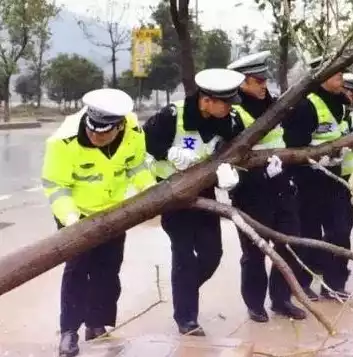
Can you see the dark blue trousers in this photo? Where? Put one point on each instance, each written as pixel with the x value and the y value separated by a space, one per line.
pixel 91 286
pixel 272 202
pixel 196 246
pixel 326 214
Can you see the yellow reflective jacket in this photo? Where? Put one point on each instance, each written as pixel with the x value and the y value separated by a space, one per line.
pixel 187 139
pixel 272 140
pixel 82 180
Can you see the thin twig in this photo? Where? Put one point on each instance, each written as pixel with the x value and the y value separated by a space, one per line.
pixel 160 300
pixel 302 352
pixel 238 327
pixel 340 51
pixel 327 172
pixel 315 276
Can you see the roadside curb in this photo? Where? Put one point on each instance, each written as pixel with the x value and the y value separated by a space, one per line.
pixel 20 125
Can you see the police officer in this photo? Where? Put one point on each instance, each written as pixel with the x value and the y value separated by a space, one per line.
pixel 348 86
pixel 347 164
pixel 268 195
pixel 93 161
pixel 324 203
pixel 346 126
pixel 180 135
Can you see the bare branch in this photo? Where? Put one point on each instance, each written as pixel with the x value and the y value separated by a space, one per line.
pixel 340 51
pixel 335 13
pixel 317 166
pixel 174 14
pixel 269 233
pixel 293 32
pixel 106 336
pixel 231 213
pixel 256 158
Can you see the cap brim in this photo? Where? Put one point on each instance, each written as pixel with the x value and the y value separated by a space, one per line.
pixel 348 86
pixel 234 99
pixel 261 75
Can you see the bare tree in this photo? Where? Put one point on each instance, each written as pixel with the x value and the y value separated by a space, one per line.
pixel 40 45
pixel 19 20
pixel 111 23
pixel 180 16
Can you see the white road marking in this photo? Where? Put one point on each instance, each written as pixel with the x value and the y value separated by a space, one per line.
pixel 33 189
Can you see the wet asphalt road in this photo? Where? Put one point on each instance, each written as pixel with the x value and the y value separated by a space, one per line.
pixel 21 153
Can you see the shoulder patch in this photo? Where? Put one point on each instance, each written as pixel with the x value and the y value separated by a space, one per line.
pixel 68 140
pixel 137 129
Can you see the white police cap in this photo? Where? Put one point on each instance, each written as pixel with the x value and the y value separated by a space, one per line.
pixel 219 83
pixel 106 107
pixel 255 64
pixel 348 80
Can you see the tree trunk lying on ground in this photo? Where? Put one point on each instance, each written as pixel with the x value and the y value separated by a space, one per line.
pixel 178 191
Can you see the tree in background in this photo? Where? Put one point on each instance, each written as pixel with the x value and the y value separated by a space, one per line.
pixel 284 26
pixel 164 73
pixel 69 77
pixel 131 85
pixel 217 50
pixel 19 20
pixel 165 69
pixel 40 44
pixel 325 24
pixel 2 86
pixel 116 31
pixel 246 40
pixel 26 87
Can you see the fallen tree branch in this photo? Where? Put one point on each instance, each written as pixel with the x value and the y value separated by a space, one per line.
pixel 231 213
pixel 266 232
pixel 328 173
pixel 178 191
pixel 256 158
pixel 315 276
pixel 301 353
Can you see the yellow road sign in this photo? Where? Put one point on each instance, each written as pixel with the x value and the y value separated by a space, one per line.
pixel 143 49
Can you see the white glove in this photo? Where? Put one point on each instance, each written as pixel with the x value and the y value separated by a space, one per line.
pixel 130 192
pixel 71 219
pixel 182 158
pixel 274 166
pixel 345 151
pixel 326 161
pixel 228 178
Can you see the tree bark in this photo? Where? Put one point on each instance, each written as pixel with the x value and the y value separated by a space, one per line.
pixel 180 190
pixel 256 158
pixel 114 76
pixel 39 72
pixel 180 19
pixel 283 52
pixel 7 99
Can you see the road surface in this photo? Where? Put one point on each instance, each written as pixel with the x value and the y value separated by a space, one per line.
pixel 29 314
